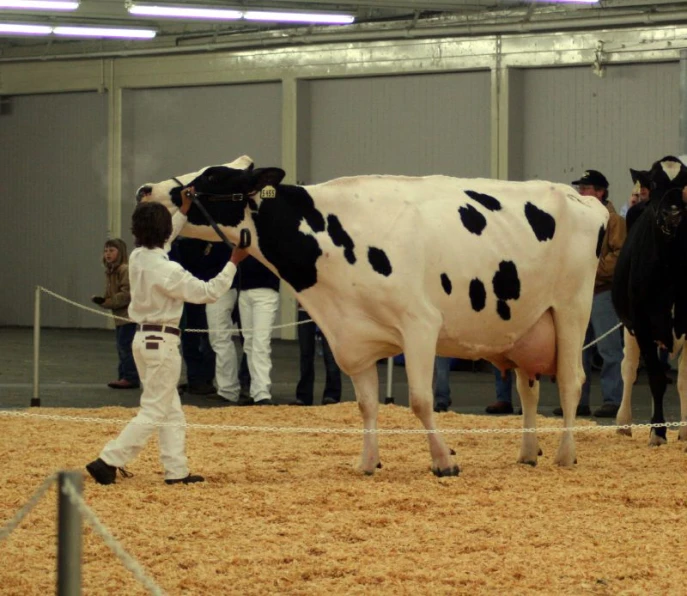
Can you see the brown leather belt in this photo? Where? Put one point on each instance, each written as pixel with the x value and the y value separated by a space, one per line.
pixel 159 329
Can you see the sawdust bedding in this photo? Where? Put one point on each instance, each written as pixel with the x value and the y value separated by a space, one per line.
pixel 288 514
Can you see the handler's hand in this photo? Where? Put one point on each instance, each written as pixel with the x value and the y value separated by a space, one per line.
pixel 237 255
pixel 97 300
pixel 186 200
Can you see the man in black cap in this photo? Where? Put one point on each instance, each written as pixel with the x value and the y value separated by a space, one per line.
pixel 594 184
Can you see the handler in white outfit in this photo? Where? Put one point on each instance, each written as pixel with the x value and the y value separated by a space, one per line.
pixel 159 288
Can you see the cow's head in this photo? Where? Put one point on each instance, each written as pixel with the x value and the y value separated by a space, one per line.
pixel 225 192
pixel 668 183
pixel 168 192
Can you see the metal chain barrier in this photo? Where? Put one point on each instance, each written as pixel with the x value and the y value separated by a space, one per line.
pixel 115 317
pixel 347 431
pixel 127 560
pixel 30 504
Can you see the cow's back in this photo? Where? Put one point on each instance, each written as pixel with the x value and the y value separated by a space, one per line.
pixel 491 255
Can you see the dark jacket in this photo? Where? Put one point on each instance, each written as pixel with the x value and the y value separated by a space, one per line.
pixel 253 274
pixel 202 259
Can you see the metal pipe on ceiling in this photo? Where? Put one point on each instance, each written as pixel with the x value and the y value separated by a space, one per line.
pixel 259 40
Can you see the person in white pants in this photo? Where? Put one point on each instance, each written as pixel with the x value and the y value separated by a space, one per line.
pixel 159 288
pixel 258 306
pixel 221 335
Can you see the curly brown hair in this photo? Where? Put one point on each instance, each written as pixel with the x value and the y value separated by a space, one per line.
pixel 151 225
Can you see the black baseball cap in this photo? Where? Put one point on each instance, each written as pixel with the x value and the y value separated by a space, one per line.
pixel 592 178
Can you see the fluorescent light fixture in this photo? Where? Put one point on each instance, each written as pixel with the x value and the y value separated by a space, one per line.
pixel 298 17
pixel 119 32
pixel 16 29
pixel 39 4
pixel 219 14
pixel 184 12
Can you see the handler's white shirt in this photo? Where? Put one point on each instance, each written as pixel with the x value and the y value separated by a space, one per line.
pixel 159 287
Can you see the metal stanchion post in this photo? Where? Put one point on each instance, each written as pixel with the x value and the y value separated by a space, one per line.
pixel 69 533
pixel 389 399
pixel 36 400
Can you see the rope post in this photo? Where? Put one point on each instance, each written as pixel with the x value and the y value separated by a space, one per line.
pixel 69 533
pixel 389 376
pixel 36 400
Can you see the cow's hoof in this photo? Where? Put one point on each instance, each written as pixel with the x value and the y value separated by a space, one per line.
pixel 371 472
pixel 452 471
pixel 626 432
pixel 452 451
pixel 656 441
pixel 541 452
pixel 528 462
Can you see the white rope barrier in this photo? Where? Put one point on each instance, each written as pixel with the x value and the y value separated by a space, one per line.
pixel 115 317
pixel 10 526
pixel 127 560
pixel 344 431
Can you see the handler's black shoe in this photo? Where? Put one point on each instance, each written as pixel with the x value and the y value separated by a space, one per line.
pixel 328 401
pixel 101 472
pixel 581 411
pixel 190 479
pixel 607 410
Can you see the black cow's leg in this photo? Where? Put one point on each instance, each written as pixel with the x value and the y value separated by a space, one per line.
pixel 657 384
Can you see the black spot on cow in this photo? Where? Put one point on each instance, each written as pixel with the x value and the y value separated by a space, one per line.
pixel 472 219
pixel 340 237
pixel 379 261
pixel 506 286
pixel 478 295
pixel 486 201
pixel 503 309
pixel 446 284
pixel 600 240
pixel 542 223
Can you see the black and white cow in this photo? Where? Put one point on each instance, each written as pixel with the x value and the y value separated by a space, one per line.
pixel 471 268
pixel 650 291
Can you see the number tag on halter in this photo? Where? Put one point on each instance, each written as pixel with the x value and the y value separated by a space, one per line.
pixel 268 192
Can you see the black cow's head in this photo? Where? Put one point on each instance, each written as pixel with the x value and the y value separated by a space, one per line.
pixel 668 179
pixel 225 192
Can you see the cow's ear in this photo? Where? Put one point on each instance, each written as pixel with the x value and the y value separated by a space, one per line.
pixel 263 177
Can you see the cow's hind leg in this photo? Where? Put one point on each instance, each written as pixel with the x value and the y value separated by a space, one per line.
pixel 657 384
pixel 419 356
pixel 629 373
pixel 366 385
pixel 682 391
pixel 570 331
pixel 529 398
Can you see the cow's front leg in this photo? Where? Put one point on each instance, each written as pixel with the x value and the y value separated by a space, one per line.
pixel 682 391
pixel 628 371
pixel 419 369
pixel 366 385
pixel 529 398
pixel 657 383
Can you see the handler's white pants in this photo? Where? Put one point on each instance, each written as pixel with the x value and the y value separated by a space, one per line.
pixel 221 339
pixel 258 310
pixel 159 365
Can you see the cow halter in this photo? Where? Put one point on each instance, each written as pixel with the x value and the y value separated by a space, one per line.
pixel 245 239
pixel 668 217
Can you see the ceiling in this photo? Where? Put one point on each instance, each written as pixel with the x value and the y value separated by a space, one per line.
pixel 375 19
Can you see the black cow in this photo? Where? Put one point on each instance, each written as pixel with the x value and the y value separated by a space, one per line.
pixel 650 288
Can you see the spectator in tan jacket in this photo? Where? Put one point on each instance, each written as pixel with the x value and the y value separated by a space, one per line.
pixel 116 298
pixel 603 318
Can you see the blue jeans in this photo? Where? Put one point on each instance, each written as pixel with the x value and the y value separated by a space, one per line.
pixel 306 384
pixel 442 390
pixel 610 349
pixel 127 367
pixel 504 387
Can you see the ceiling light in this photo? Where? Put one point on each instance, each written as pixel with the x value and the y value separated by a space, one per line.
pixel 299 17
pixel 16 29
pixel 184 12
pixel 118 32
pixel 39 4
